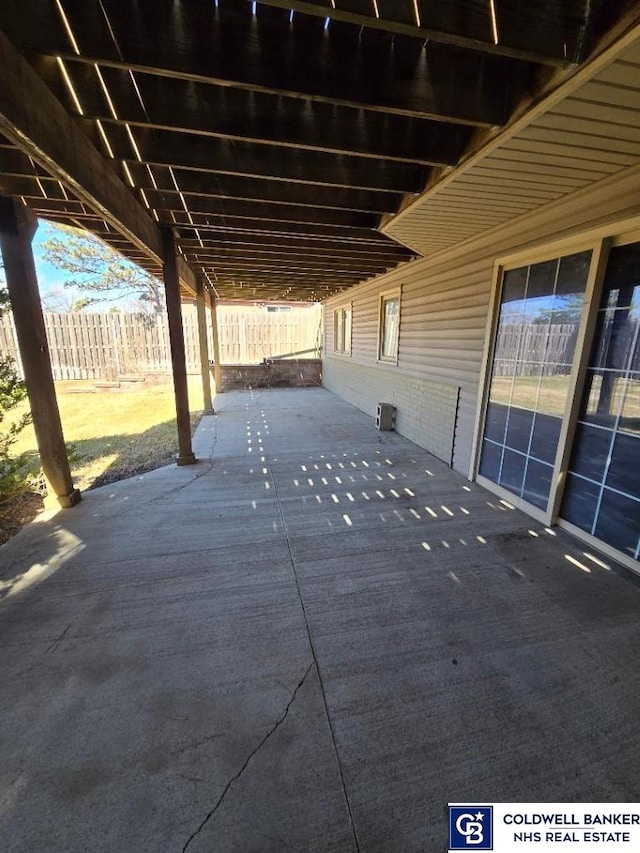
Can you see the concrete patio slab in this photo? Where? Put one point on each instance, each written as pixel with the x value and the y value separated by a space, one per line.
pixel 311 640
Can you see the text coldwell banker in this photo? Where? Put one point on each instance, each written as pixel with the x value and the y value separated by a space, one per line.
pixel 571 819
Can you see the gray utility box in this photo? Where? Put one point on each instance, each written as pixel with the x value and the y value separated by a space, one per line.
pixel 385 419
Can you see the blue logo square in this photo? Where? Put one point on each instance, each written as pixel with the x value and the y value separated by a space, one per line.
pixel 470 828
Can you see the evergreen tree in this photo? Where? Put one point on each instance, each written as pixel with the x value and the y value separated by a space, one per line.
pixel 99 272
pixel 14 470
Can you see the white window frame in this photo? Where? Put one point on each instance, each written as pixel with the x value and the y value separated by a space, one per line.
pixel 385 296
pixel 551 251
pixel 342 343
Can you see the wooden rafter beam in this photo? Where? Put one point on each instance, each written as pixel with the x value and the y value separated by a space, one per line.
pixel 291 248
pixel 289 265
pixel 260 290
pixel 227 113
pixel 204 223
pixel 194 185
pixel 324 259
pixel 17 185
pixel 351 240
pixel 190 151
pixel 257 210
pixel 275 275
pixel 296 276
pixel 261 188
pixel 240 290
pixel 358 69
pixel 414 29
pixel 271 287
pixel 232 294
pixel 284 265
pixel 274 286
pixel 441 147
pixel 34 120
pixel 486 110
pixel 231 251
pixel 48 207
pixel 280 281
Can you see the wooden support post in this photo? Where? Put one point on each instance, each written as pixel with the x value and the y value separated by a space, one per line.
pixel 204 349
pixel 217 377
pixel 185 455
pixel 17 227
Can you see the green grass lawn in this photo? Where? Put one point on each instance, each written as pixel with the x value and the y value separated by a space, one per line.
pixel 118 432
pixel 523 391
pixel 551 396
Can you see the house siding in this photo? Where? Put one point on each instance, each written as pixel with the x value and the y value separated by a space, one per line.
pixel 444 311
pixel 425 409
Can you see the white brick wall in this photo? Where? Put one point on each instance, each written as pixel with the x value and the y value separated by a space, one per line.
pixel 425 408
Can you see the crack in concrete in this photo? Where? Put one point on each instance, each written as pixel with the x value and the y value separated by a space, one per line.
pixel 209 457
pixel 323 691
pixel 122 510
pixel 54 645
pixel 197 476
pixel 234 778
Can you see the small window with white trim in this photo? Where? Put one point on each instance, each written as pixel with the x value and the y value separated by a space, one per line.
pixel 342 330
pixel 389 326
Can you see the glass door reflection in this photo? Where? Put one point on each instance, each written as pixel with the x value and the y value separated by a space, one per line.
pixel 602 493
pixel 540 312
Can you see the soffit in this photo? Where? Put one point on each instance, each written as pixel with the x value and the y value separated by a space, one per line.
pixel 580 139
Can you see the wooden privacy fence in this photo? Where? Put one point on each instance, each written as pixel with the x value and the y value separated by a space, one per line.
pixel 522 347
pixel 103 346
pixel 251 334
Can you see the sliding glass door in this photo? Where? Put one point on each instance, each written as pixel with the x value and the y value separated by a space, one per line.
pixel 602 494
pixel 561 429
pixel 535 346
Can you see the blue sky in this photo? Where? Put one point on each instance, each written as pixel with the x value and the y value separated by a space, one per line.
pixel 51 281
pixel 49 278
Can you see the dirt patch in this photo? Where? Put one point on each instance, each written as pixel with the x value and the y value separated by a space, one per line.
pixel 123 472
pixel 15 514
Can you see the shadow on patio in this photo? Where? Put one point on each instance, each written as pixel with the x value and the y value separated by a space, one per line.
pixel 311 641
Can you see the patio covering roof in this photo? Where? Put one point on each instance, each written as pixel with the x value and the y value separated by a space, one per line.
pixel 276 137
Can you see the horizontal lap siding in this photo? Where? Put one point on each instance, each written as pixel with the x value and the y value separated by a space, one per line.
pixel 442 325
pixel 445 302
pixel 442 336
